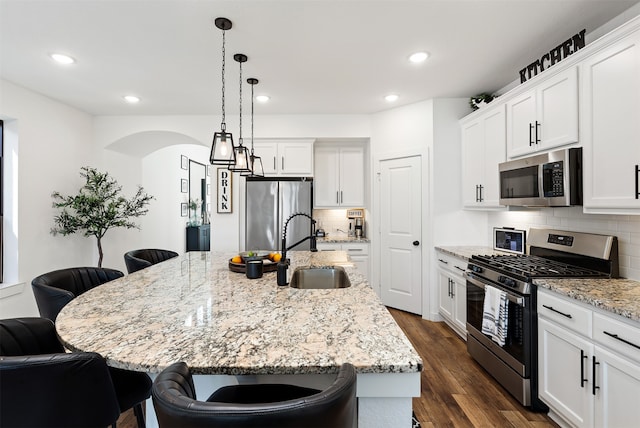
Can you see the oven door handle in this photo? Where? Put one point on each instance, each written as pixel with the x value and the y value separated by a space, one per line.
pixel 513 299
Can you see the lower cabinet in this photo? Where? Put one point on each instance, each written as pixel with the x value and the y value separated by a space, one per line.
pixel 589 364
pixel 357 251
pixel 199 238
pixel 452 292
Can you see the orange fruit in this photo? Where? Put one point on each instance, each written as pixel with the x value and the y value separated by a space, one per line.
pixel 236 259
pixel 277 257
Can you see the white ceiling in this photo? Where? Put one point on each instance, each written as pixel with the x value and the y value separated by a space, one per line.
pixel 311 57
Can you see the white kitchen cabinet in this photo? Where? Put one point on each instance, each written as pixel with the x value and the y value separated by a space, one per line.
pixel 453 292
pixel 292 158
pixel 339 176
pixel 483 148
pixel 589 364
pixel 357 251
pixel 610 128
pixel 544 117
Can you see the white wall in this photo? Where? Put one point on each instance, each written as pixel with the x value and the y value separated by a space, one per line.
pixel 429 129
pixel 52 142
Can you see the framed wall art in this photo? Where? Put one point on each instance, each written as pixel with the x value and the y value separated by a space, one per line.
pixel 184 185
pixel 184 162
pixel 224 191
pixel 184 209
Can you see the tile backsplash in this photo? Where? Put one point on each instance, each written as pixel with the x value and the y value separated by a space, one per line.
pixel 626 228
pixel 334 222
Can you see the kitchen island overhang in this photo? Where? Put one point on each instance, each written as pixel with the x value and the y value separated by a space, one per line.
pixel 193 309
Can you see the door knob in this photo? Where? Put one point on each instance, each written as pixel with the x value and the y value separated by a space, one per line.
pixel 416 243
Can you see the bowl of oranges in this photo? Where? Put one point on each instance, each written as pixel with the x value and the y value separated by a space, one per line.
pixel 270 260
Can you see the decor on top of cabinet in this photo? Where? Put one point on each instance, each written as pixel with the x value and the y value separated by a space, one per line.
pixel 98 207
pixel 222 148
pixel 481 100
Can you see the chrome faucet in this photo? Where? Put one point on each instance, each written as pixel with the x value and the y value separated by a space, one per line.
pixel 283 264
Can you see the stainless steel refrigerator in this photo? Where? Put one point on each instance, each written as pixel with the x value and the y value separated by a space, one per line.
pixel 269 204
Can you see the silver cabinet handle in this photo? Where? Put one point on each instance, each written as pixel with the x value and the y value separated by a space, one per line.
pixel 354 249
pixel 337 197
pixel 283 163
pixel 274 163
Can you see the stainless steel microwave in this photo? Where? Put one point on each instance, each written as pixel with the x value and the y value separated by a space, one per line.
pixel 551 179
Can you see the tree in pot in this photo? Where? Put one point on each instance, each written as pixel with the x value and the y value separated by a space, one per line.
pixel 98 207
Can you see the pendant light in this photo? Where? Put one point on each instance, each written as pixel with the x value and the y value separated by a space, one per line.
pixel 255 162
pixel 222 149
pixel 241 163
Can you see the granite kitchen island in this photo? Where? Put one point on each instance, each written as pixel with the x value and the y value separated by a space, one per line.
pixel 231 329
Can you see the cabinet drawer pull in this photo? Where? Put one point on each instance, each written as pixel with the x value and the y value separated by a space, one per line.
pixel 443 261
pixel 582 378
pixel 593 373
pixel 637 187
pixel 459 268
pixel 615 336
pixel 557 311
pixel 354 249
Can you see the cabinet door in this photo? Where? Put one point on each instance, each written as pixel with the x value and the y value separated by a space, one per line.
pixel 268 151
pixel 362 263
pixel 557 115
pixel 446 302
pixel 610 128
pixel 564 360
pixel 295 158
pixel 472 162
pixel 328 246
pixel 521 118
pixel 327 177
pixel 459 288
pixel 617 399
pixel 494 153
pixel 351 176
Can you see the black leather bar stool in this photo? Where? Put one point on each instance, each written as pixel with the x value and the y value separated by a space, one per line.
pixel 140 259
pixel 259 405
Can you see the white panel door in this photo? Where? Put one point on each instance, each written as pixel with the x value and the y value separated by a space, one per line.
pixel 401 233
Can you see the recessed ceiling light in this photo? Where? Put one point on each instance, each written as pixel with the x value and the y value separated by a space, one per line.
pixel 62 59
pixel 391 98
pixel 419 57
pixel 131 99
pixel 262 98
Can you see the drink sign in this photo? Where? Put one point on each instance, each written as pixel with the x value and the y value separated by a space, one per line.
pixel 224 190
pixel 554 56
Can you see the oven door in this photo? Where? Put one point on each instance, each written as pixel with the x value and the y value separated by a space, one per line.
pixel 516 352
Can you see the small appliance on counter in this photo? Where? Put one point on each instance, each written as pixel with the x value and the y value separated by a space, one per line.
pixel 509 239
pixel 356 222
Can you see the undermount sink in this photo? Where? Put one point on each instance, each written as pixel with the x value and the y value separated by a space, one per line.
pixel 319 278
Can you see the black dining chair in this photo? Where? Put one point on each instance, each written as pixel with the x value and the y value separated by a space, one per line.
pixel 53 290
pixel 140 259
pixel 254 405
pixel 41 385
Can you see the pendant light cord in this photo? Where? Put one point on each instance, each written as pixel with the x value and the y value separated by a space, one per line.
pixel 223 125
pixel 240 138
pixel 252 85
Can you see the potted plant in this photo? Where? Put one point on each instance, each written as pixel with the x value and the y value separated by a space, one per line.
pixel 97 207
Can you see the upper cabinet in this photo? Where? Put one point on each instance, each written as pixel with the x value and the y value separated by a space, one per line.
pixel 610 127
pixel 545 116
pixel 339 176
pixel 286 158
pixel 483 148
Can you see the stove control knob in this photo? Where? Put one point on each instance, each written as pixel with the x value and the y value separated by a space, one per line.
pixel 507 281
pixel 476 269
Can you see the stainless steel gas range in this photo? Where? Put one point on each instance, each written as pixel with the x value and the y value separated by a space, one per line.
pixel 550 254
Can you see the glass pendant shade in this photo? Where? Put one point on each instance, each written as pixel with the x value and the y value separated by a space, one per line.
pixel 241 164
pixel 255 162
pixel 222 149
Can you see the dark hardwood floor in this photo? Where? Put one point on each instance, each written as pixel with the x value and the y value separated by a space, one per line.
pixel 456 391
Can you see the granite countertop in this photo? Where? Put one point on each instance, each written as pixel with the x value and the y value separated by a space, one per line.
pixel 192 308
pixel 342 239
pixel 466 252
pixel 619 296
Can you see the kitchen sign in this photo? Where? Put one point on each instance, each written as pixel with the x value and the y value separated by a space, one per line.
pixel 554 56
pixel 224 190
